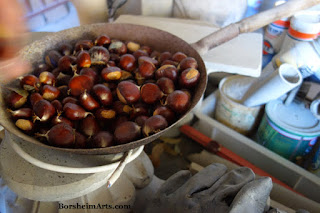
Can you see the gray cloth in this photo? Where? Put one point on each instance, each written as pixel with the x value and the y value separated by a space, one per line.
pixel 213 189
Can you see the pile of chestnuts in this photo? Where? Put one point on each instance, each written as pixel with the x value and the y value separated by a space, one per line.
pixel 102 93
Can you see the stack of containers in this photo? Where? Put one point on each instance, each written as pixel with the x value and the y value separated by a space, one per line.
pixel 291 129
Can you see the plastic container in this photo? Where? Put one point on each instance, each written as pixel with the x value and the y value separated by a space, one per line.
pixel 229 111
pixel 274 36
pixel 298 178
pixel 298 46
pixel 289 131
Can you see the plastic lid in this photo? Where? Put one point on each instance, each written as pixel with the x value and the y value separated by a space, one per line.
pixel 294 118
pixel 305 25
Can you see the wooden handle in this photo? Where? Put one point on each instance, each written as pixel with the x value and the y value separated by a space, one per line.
pixel 251 23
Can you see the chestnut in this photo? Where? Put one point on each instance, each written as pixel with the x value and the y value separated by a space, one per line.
pixel 88 102
pixel 89 126
pixel 63 79
pixel 34 98
pixel 166 85
pixel 102 139
pixel 188 62
pixel 170 62
pixel 128 92
pixel 74 111
pixel 57 105
pixel 99 55
pixel 30 83
pixel 121 108
pixel 103 114
pixel 25 125
pixel 189 78
pixel 83 59
pixel 17 99
pixel 70 100
pixel 91 73
pixel 126 132
pixel 22 113
pixel 102 40
pixel 127 62
pixel 50 93
pixel 60 119
pixel 43 110
pixel 103 94
pixel 80 141
pixel 154 124
pixel 138 53
pixel 67 63
pixel 41 68
pixel 141 119
pixel 146 49
pixel 132 46
pixel 79 83
pixel 164 56
pixel 47 78
pixel 166 112
pixel 125 75
pixel 151 93
pixel 168 71
pixel 111 73
pixel 61 135
pixel 178 101
pixel 178 56
pixel 83 45
pixel 117 47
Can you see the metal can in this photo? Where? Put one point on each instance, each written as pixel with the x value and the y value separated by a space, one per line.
pixel 290 131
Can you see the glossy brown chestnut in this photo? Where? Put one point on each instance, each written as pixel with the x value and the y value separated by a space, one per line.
pixel 34 98
pixel 88 102
pixel 178 101
pixel 126 132
pixel 64 91
pixel 74 111
pixel 22 113
pixel 61 135
pixel 66 64
pixel 47 78
pixel 141 119
pixel 188 62
pixel 128 92
pixel 60 119
pixel 178 56
pixel 83 45
pixel 137 54
pixel 128 62
pixel 168 71
pixel 91 73
pixel 166 112
pixel 79 83
pixel 89 126
pixel 151 93
pixel 83 59
pixel 80 141
pixel 70 99
pixel 50 93
pixel 30 83
pixel 189 78
pixel 99 55
pixel 164 56
pixel 17 99
pixel 166 85
pixel 102 139
pixel 103 94
pixel 117 47
pixel 57 105
pixel 147 49
pixel 111 73
pixel 102 40
pixel 43 110
pixel 154 124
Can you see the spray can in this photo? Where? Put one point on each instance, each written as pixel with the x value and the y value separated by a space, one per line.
pixel 273 37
